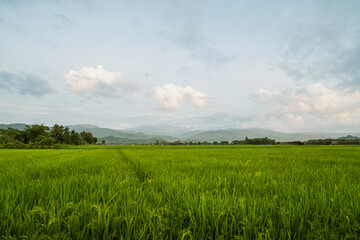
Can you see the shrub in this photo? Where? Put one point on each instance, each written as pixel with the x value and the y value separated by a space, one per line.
pixel 57 146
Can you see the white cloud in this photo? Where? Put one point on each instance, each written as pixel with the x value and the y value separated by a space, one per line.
pixel 310 107
pixel 170 96
pixel 100 82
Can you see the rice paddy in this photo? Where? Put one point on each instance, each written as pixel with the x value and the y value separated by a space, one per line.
pixel 181 192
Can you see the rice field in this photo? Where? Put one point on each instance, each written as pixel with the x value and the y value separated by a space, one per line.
pixel 181 192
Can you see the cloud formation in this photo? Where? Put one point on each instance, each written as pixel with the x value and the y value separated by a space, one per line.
pixel 186 31
pixel 311 106
pixel 24 83
pixel 170 96
pixel 326 46
pixel 99 82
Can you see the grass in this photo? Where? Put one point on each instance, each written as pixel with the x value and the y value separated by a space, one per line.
pixel 181 192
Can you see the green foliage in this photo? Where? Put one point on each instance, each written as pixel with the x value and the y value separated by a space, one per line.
pixel 4 139
pixel 9 132
pixel 181 192
pixel 31 133
pixel 75 138
pixel 57 146
pixel 254 141
pixel 348 140
pixel 63 135
pixel 320 141
pixel 88 138
pixel 58 133
pixel 39 136
pixel 45 141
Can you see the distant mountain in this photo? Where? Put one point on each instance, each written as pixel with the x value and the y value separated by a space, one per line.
pixel 164 129
pixel 119 140
pixel 149 134
pixel 19 126
pixel 82 126
pixel 349 138
pixel 107 132
pixel 240 134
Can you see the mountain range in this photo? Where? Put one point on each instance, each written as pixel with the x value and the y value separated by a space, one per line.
pixel 149 134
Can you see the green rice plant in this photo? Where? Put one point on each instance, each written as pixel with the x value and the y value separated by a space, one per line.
pixel 180 192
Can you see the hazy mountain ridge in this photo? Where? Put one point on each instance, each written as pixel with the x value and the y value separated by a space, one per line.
pixel 349 138
pixel 120 140
pixel 165 129
pixel 121 134
pixel 112 135
pixel 240 134
pixel 173 133
pixel 19 126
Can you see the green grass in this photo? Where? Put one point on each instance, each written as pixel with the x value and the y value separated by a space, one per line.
pixel 181 192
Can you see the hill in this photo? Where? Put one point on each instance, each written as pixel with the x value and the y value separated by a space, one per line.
pixel 19 126
pixel 165 130
pixel 150 133
pixel 120 135
pixel 120 140
pixel 240 134
pixel 349 138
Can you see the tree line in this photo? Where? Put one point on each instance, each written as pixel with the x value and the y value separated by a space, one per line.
pixel 330 141
pixel 246 141
pixel 40 136
pixel 349 140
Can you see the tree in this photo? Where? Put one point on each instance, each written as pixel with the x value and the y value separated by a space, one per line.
pixel 4 139
pixel 87 137
pixel 22 136
pixel 237 142
pixel 67 137
pixel 41 135
pixel 103 142
pixel 57 132
pixel 33 132
pixel 44 140
pixel 48 141
pixel 11 132
pixel 75 138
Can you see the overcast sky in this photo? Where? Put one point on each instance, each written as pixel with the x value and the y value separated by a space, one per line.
pixel 284 65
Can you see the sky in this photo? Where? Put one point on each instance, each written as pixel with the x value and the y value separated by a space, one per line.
pixel 291 66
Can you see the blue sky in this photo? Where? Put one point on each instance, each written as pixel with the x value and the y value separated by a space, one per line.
pixel 284 65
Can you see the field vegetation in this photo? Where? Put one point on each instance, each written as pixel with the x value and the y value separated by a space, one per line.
pixel 40 136
pixel 180 192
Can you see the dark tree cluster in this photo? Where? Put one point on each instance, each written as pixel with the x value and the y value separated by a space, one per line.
pixel 40 136
pixel 339 141
pixel 255 141
pixel 327 141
